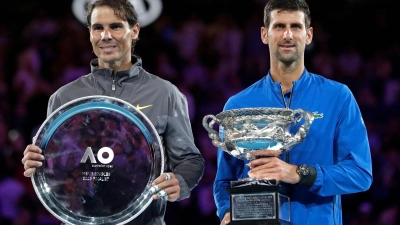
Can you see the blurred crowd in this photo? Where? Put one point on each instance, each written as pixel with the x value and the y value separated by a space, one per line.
pixel 210 49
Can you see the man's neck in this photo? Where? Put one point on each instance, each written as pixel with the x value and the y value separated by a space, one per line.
pixel 286 75
pixel 116 66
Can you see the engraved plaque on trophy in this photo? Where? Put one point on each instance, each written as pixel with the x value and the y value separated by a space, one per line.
pixel 250 133
pixel 101 156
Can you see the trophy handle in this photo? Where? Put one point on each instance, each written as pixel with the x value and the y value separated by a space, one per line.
pixel 212 133
pixel 308 120
pixel 303 129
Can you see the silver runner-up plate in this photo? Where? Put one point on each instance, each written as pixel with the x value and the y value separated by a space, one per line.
pixel 101 156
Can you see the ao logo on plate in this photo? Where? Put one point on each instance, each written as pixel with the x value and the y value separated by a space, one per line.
pixel 89 154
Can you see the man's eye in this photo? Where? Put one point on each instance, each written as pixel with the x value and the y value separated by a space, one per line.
pixel 115 26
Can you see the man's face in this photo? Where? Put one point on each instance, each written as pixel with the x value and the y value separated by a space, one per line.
pixel 287 36
pixel 111 38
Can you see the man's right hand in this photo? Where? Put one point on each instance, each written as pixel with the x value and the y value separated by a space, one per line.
pixel 32 159
pixel 226 219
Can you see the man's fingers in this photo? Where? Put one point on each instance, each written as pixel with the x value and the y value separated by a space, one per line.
pixel 32 148
pixel 154 189
pixel 226 219
pixel 258 162
pixel 32 156
pixel 173 193
pixel 166 183
pixel 29 172
pixel 266 153
pixel 271 161
pixel 170 193
pixel 168 176
pixel 32 164
pixel 164 186
pixel 163 177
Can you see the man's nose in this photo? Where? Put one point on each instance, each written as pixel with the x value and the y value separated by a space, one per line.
pixel 106 34
pixel 288 34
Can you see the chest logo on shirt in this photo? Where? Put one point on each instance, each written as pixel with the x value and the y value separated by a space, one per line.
pixel 318 115
pixel 142 107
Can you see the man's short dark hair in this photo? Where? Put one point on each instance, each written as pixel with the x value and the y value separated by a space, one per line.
pixel 286 5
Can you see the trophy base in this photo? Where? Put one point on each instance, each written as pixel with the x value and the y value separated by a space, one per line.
pixel 259 222
pixel 258 204
pixel 253 182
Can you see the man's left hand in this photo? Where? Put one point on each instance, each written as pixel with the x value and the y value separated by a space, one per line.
pixel 167 182
pixel 270 168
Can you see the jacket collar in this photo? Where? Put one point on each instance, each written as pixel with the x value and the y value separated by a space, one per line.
pixel 132 72
pixel 298 85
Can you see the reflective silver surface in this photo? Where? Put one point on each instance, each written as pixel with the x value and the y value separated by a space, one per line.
pixel 101 156
pixel 255 132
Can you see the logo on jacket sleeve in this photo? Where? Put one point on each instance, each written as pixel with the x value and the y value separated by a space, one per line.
pixel 318 115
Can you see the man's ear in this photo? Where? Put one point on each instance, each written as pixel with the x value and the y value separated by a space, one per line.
pixel 135 31
pixel 264 36
pixel 309 35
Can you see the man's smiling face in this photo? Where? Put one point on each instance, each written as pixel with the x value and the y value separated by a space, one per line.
pixel 287 36
pixel 111 38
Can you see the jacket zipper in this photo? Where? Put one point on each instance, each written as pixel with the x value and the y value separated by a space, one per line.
pixel 113 83
pixel 287 106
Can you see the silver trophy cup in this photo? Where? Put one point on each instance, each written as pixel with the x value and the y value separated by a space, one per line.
pixel 250 133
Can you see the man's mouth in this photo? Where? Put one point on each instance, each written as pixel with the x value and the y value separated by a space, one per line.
pixel 287 47
pixel 107 48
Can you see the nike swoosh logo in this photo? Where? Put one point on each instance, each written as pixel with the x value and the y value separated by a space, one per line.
pixel 142 107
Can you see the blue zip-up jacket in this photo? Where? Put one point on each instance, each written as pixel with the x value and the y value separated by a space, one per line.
pixel 336 145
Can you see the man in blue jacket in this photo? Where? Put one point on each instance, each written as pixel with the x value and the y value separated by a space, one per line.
pixel 334 158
